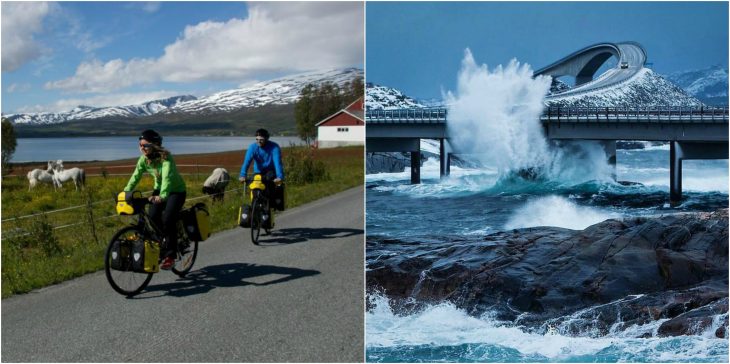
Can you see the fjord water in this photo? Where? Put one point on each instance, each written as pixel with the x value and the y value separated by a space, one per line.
pixel 121 147
pixel 573 188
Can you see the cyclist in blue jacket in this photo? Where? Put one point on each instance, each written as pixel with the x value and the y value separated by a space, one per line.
pixel 266 158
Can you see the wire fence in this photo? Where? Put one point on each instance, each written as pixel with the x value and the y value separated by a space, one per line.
pixel 22 169
pixel 90 205
pixel 88 222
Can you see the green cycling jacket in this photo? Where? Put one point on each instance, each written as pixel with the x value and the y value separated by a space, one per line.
pixel 167 179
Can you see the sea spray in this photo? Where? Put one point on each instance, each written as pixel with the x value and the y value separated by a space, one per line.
pixel 556 211
pixel 494 117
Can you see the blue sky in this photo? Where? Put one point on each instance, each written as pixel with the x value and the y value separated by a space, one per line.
pixel 57 55
pixel 418 47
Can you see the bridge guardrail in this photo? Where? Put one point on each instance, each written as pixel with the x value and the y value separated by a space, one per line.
pixel 639 114
pixel 570 114
pixel 415 115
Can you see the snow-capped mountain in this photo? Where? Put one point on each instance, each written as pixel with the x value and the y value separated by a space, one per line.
pixel 89 112
pixel 382 97
pixel 710 85
pixel 279 91
pixel 283 90
pixel 646 88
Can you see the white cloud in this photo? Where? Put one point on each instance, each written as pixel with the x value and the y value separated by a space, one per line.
pixel 77 36
pixel 20 21
pixel 119 99
pixel 151 6
pixel 276 37
pixel 18 87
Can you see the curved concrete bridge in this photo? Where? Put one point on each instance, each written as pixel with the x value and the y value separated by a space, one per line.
pixel 583 65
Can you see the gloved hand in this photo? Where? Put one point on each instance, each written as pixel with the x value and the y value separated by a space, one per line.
pixel 242 179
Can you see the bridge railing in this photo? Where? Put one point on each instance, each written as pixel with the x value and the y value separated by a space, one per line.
pixel 572 114
pixel 419 115
pixel 642 114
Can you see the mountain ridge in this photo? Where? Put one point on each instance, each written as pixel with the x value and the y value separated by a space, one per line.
pixel 647 88
pixel 279 91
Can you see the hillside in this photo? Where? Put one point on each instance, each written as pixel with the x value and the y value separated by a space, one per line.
pixel 709 85
pixel 231 112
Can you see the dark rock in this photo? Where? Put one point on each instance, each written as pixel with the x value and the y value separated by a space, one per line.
pixel 613 274
pixel 387 162
pixel 395 162
pixel 695 321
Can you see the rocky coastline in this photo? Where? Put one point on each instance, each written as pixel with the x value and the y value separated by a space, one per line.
pixel 615 275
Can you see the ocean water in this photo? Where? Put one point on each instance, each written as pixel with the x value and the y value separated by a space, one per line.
pixel 475 202
pixel 494 122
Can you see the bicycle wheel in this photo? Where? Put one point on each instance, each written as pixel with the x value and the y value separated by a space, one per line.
pixel 255 221
pixel 123 279
pixel 187 252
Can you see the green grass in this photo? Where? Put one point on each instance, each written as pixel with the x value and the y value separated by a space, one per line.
pixel 35 255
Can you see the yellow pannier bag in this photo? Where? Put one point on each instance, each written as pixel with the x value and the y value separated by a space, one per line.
pixel 196 220
pixel 124 202
pixel 146 256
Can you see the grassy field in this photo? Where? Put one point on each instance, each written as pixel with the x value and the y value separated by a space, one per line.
pixel 42 245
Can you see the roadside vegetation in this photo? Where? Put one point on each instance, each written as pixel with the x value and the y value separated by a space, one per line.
pixel 51 246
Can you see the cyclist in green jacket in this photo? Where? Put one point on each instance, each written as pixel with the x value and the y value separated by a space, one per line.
pixel 169 193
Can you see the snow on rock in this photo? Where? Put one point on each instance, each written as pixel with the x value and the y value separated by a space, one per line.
pixel 646 88
pixel 386 98
pixel 82 112
pixel 710 84
pixel 278 92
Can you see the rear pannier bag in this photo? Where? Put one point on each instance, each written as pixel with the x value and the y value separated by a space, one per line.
pixel 244 216
pixel 197 222
pixel 278 199
pixel 121 255
pixel 145 256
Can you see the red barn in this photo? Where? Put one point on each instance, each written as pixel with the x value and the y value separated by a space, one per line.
pixel 345 127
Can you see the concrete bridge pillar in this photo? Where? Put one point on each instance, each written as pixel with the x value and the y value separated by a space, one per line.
pixel 444 159
pixel 416 166
pixel 675 173
pixel 679 151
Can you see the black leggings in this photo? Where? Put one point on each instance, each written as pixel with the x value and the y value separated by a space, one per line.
pixel 165 215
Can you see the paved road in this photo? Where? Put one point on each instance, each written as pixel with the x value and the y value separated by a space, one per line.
pixel 631 53
pixel 297 297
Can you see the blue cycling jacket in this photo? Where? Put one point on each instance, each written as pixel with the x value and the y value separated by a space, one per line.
pixel 264 159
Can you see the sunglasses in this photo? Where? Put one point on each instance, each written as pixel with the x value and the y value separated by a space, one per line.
pixel 260 139
pixel 146 145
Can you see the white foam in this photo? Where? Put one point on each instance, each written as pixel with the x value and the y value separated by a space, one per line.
pixel 445 325
pixel 556 211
